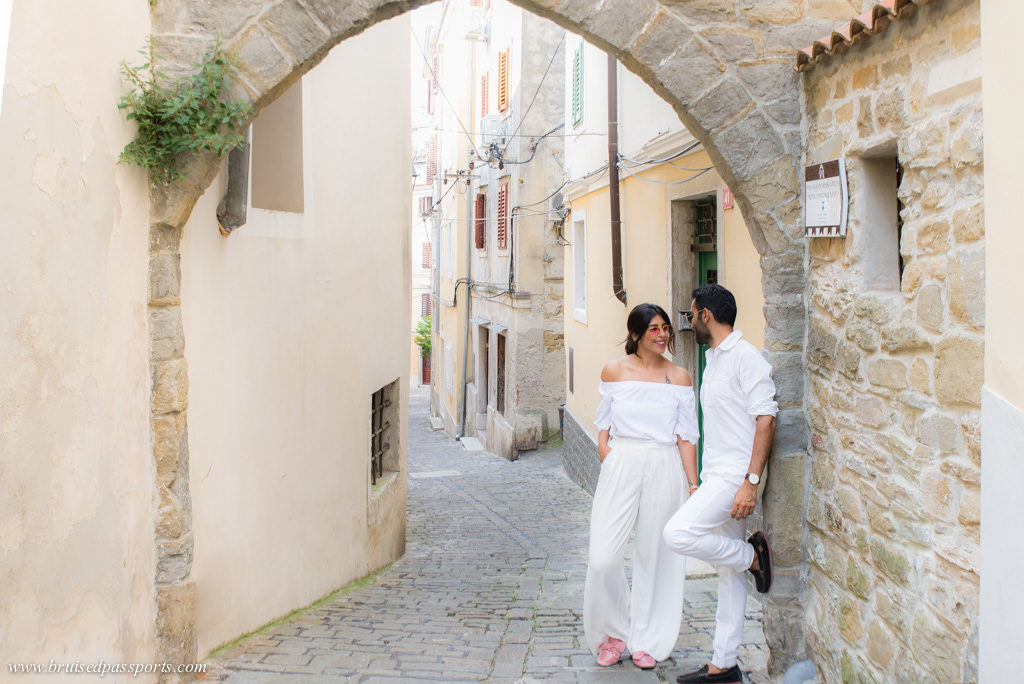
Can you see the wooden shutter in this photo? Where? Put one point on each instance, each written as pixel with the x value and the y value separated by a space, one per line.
pixel 481 220
pixel 503 80
pixel 424 305
pixel 426 255
pixel 432 159
pixel 475 3
pixel 483 95
pixel 503 216
pixel 577 86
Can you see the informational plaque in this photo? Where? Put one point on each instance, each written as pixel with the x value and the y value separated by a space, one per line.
pixel 826 199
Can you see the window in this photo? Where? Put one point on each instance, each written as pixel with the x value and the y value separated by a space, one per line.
pixel 877 235
pixel 577 86
pixel 424 305
pixel 500 373
pixel 384 431
pixel 483 94
pixel 503 80
pixel 503 216
pixel 426 255
pixel 579 267
pixel 481 220
pixel 432 159
pixel 277 154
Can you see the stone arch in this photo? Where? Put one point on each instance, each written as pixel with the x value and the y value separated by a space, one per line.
pixel 726 67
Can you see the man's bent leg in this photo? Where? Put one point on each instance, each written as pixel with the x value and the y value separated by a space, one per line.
pixel 694 530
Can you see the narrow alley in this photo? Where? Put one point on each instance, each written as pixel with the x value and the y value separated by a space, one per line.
pixel 490 588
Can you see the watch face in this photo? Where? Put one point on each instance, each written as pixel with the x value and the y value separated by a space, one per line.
pixel 753 479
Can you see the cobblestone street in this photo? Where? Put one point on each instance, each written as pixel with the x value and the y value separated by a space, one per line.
pixel 490 588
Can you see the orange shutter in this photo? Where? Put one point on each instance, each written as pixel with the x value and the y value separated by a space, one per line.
pixel 481 220
pixel 503 216
pixel 475 3
pixel 503 80
pixel 483 95
pixel 426 255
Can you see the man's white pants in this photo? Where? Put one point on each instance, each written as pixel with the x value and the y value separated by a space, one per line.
pixel 704 528
pixel 641 483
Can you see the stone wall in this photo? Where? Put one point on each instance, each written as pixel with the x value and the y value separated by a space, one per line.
pixel 894 374
pixel 580 459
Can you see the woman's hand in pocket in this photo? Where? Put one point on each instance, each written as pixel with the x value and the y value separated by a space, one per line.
pixel 603 451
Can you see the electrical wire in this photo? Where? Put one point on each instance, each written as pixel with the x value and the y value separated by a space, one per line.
pixel 441 90
pixel 678 182
pixel 535 93
pixel 533 149
pixel 518 135
pixel 694 144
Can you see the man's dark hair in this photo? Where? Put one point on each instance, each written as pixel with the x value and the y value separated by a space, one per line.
pixel 718 301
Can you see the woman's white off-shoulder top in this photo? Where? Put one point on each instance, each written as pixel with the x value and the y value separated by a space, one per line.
pixel 649 411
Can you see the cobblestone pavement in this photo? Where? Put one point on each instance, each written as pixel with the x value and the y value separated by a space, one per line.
pixel 490 588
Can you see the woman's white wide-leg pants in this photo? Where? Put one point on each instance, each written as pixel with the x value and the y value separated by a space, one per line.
pixel 641 483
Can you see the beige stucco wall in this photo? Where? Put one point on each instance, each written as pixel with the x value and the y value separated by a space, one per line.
pixel 646 269
pixel 1004 148
pixel 76 532
pixel 1002 396
pixel 291 324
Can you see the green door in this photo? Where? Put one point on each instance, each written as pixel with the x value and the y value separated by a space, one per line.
pixel 706 233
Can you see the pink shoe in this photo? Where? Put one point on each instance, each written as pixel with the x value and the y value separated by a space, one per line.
pixel 609 652
pixel 644 660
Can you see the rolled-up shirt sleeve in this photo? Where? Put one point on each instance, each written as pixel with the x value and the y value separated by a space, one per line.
pixel 603 418
pixel 686 416
pixel 755 376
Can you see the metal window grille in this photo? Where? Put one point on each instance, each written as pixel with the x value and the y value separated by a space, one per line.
pixel 481 220
pixel 501 375
pixel 378 433
pixel 706 224
pixel 503 216
pixel 432 159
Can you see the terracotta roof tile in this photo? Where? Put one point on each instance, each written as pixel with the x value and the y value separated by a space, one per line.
pixel 855 31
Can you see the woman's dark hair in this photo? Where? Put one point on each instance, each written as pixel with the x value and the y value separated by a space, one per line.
pixel 637 322
pixel 718 301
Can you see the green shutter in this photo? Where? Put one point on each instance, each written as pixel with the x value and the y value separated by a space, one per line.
pixel 577 86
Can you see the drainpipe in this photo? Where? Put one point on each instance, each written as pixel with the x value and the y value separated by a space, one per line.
pixel 613 178
pixel 469 239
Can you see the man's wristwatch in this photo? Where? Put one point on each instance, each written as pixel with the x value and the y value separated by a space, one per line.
pixel 752 478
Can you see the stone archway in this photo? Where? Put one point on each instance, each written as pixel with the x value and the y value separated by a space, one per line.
pixel 726 67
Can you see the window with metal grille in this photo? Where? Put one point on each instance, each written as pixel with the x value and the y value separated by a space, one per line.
pixel 426 255
pixel 481 220
pixel 503 216
pixel 432 159
pixel 424 304
pixel 483 94
pixel 577 86
pixel 500 373
pixel 384 431
pixel 706 224
pixel 503 80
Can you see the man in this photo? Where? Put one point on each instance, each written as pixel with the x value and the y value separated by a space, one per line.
pixel 737 396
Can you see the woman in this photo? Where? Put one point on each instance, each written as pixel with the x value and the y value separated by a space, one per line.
pixel 648 412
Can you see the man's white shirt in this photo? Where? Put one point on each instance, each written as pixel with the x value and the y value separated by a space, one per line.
pixel 735 389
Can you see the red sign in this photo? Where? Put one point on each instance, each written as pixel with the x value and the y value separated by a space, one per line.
pixel 726 198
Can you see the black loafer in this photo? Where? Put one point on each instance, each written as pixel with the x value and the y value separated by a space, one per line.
pixel 763 575
pixel 702 676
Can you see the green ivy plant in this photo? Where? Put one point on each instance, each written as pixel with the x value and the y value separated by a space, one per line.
pixel 422 338
pixel 191 114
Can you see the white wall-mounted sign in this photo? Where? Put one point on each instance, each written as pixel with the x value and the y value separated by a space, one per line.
pixel 826 199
